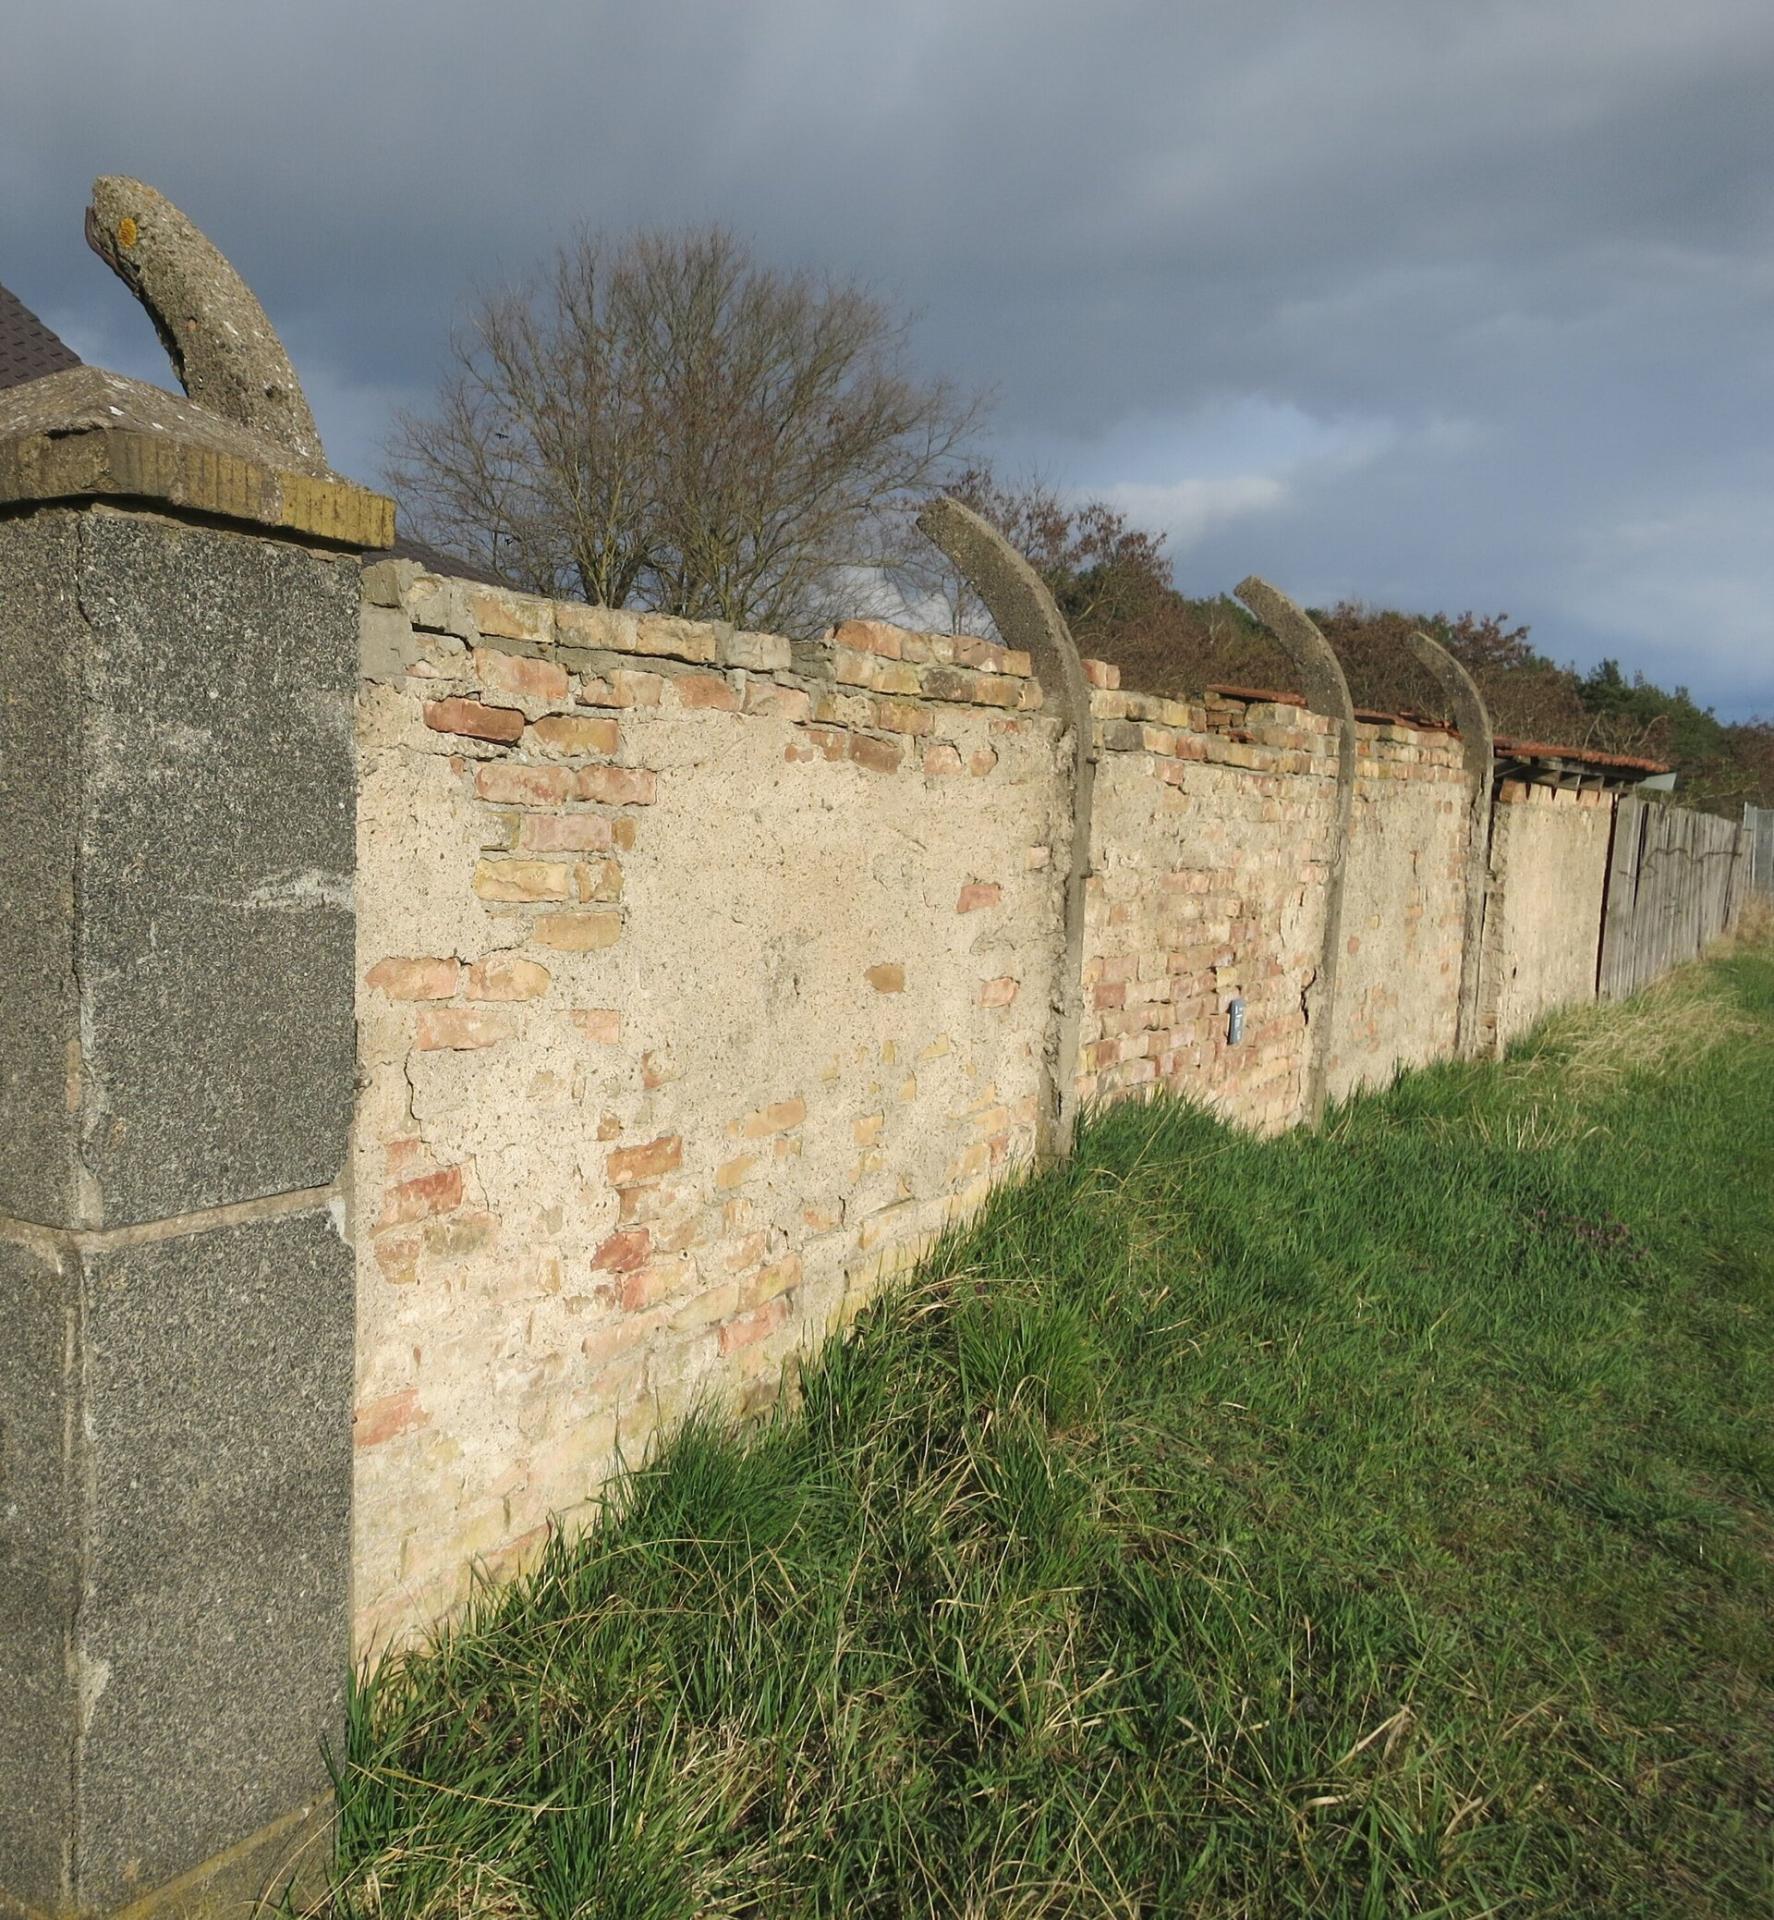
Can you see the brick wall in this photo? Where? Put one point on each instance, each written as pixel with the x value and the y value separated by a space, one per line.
pixel 703 977
pixel 696 992
pixel 1548 861
pixel 1209 857
pixel 1404 905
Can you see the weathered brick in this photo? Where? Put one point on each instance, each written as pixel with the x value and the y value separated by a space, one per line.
pixel 508 784
pixel 999 992
pixel 777 1118
pixel 878 756
pixel 902 716
pixel 573 734
pixel 749 1328
pixel 981 762
pixel 419 979
pixel 733 1173
pixel 769 1282
pixel 564 832
pixel 978 894
pixel 707 691
pixel 394 1413
pixel 517 673
pixel 756 652
pixel 599 880
pixel 777 703
pixel 577 932
pixel 624 1250
pixel 460 1239
pixel 630 1164
pixel 616 786
pixel 600 1024
pixel 1099 673
pixel 458 1029
pixel 421 1197
pixel 474 721
pixel 870 636
pixel 943 759
pixel 511 616
pixel 887 976
pixel 507 976
pixel 523 879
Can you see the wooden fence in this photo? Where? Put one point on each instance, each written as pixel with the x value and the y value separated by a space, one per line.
pixel 1758 824
pixel 1676 880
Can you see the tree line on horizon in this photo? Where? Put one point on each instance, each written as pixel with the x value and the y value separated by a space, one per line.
pixel 664 422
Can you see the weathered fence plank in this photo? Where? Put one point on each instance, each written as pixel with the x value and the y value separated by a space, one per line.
pixel 1672 890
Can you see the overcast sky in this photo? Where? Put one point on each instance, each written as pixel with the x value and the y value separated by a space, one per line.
pixel 1432 305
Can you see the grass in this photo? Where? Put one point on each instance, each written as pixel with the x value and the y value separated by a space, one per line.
pixel 1372 1523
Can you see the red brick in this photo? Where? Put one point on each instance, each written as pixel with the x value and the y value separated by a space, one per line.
pixel 999 992
pixel 1100 674
pixel 518 673
pixel 707 690
pixel 459 1029
pixel 395 1413
pixel 871 636
pixel 624 1251
pixel 616 786
pixel 902 716
pixel 476 722
pixel 421 1198
pixel 750 1328
pixel 509 784
pixel 977 894
pixel 878 756
pixel 600 1024
pixel 942 759
pixel 627 1165
pixel 414 979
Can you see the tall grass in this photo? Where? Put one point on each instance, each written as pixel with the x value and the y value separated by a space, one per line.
pixel 1365 1523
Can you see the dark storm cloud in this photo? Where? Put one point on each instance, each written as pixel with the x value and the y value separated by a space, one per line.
pixel 1452 305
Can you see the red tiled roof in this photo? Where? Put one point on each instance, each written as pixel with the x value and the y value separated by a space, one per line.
pixel 28 350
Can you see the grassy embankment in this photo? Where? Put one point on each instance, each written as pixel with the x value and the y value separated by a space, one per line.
pixel 1373 1523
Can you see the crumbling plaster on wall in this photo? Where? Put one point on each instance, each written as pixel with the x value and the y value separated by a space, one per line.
pixel 694 996
pixel 705 976
pixel 1549 859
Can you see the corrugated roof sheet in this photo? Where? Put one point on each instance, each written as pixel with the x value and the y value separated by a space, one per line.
pixel 28 350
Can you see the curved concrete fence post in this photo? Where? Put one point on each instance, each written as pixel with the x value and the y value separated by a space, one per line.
pixel 1026 618
pixel 1327 692
pixel 1474 721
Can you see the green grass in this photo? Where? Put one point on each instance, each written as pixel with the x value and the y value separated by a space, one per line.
pixel 1372 1523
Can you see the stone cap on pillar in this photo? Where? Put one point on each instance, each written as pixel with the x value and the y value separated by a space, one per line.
pixel 86 434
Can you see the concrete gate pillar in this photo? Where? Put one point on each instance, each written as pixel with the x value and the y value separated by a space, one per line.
pixel 178 649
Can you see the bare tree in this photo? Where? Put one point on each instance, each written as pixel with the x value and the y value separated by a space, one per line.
pixel 664 423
